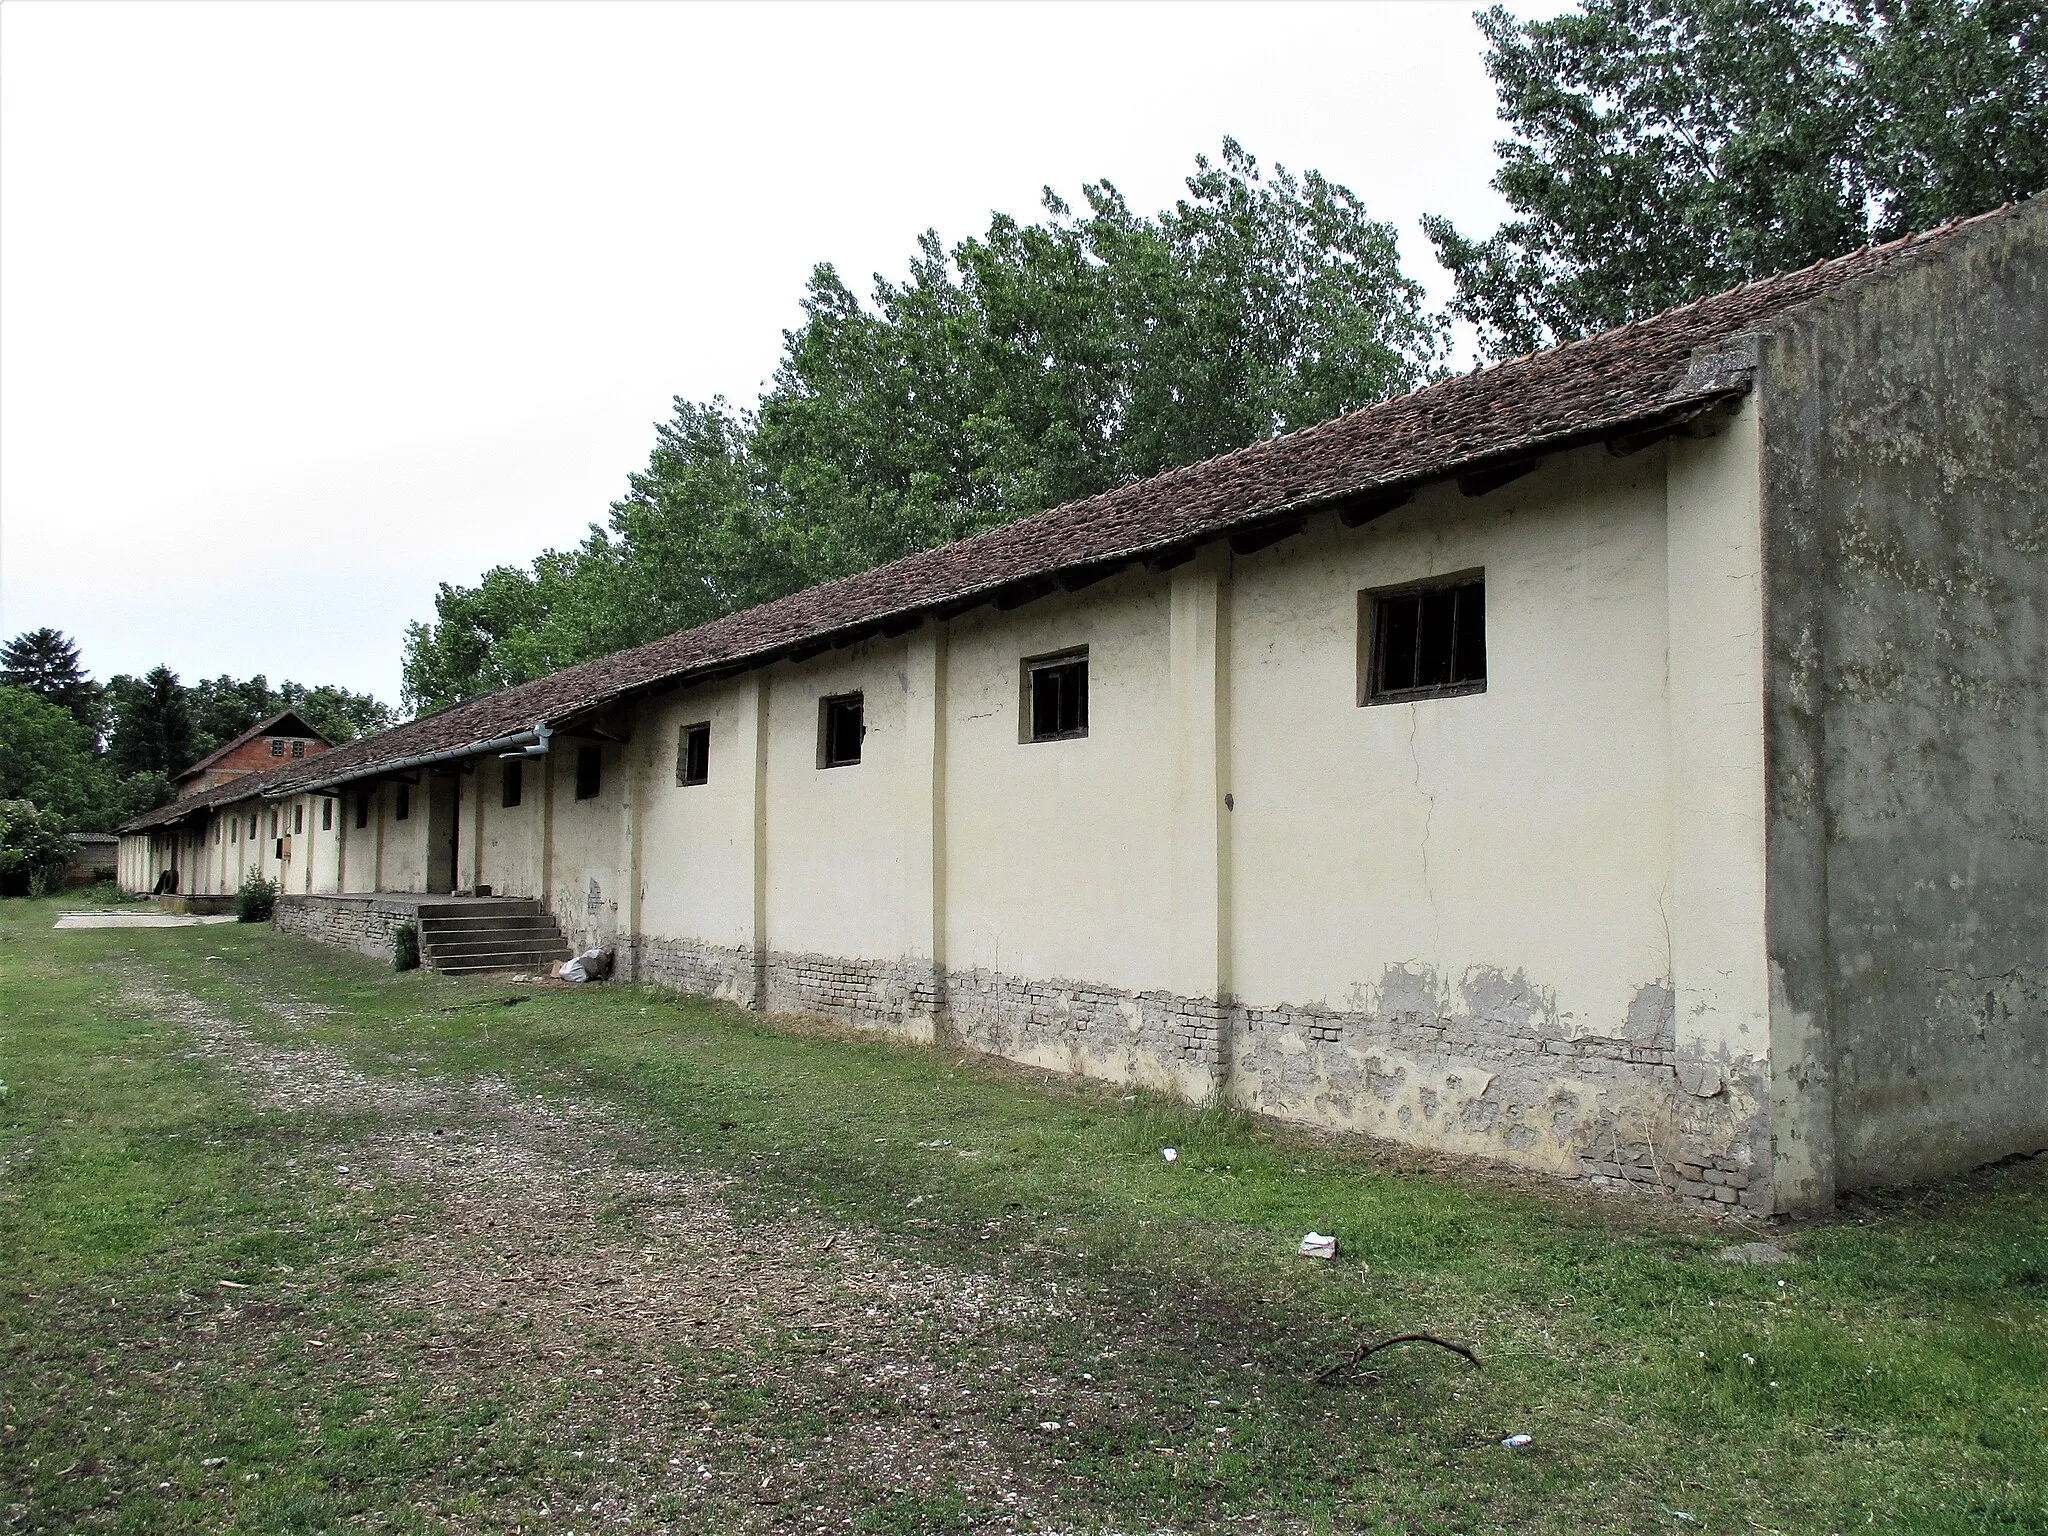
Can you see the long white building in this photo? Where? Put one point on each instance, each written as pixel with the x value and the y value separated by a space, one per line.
pixel 1630 761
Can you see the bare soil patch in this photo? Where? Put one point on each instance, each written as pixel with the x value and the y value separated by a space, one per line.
pixel 546 1261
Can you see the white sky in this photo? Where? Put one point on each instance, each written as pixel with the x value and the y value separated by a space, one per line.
pixel 306 308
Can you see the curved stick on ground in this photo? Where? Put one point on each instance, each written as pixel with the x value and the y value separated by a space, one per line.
pixel 1360 1355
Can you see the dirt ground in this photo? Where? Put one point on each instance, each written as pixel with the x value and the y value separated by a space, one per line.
pixel 552 1255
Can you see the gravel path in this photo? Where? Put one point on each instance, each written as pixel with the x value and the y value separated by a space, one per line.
pixel 556 1264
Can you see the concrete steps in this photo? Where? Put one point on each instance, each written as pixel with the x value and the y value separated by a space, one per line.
pixel 474 936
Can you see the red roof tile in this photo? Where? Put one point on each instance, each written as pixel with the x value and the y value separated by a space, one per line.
pixel 1636 376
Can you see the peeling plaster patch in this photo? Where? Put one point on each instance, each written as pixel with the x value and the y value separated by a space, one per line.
pixel 1509 1002
pixel 1701 1078
pixel 1651 1016
pixel 1410 991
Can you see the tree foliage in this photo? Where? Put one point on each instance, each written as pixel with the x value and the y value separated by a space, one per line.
pixel 153 727
pixel 54 717
pixel 46 756
pixel 45 663
pixel 1664 150
pixel 1022 368
pixel 33 848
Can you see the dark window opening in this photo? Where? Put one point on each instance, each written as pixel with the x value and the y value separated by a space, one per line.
pixel 273 823
pixel 298 820
pixel 841 725
pixel 252 829
pixel 1428 642
pixel 326 815
pixel 693 754
pixel 515 782
pixel 1056 697
pixel 363 808
pixel 589 772
pixel 276 747
pixel 402 811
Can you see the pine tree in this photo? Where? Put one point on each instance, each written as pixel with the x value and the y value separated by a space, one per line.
pixel 45 663
pixel 153 724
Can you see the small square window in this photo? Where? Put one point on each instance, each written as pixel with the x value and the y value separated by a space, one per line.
pixel 589 772
pixel 326 815
pixel 515 782
pixel 841 726
pixel 402 811
pixel 1425 642
pixel 276 747
pixel 298 749
pixel 1056 697
pixel 362 808
pixel 693 754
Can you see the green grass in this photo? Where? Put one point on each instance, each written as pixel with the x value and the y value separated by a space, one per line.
pixel 1895 1379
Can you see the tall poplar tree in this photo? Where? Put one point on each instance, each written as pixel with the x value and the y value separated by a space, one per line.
pixel 1664 150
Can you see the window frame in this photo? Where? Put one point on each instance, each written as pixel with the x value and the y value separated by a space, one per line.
pixel 1374 613
pixel 1030 669
pixel 693 754
pixel 327 813
pixel 590 784
pixel 826 706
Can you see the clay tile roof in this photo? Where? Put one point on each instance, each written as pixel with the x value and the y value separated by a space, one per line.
pixel 1661 369
pixel 194 807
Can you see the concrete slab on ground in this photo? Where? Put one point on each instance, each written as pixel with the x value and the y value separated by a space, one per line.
pixel 136 920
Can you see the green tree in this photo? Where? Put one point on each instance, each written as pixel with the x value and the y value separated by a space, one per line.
pixel 222 708
pixel 45 662
pixel 1664 150
pixel 339 714
pixel 1023 368
pixel 46 756
pixel 153 727
pixel 33 849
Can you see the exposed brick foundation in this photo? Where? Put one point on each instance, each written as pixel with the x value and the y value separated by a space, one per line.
pixel 709 970
pixel 361 923
pixel 1480 1068
pixel 1479 1065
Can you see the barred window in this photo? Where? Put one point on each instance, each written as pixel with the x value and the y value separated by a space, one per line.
pixel 1427 641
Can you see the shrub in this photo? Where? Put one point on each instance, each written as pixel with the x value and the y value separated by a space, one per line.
pixel 33 850
pixel 405 947
pixel 256 900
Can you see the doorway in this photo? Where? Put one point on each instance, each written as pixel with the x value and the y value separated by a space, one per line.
pixel 444 813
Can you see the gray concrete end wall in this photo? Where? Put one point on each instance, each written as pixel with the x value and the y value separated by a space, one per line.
pixel 1905 477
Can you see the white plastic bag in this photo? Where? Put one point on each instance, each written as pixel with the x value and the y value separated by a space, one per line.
pixel 1317 1246
pixel 591 965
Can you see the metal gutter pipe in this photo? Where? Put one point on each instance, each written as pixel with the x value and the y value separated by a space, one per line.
pixel 534 743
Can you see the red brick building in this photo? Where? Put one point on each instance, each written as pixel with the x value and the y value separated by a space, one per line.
pixel 267 744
